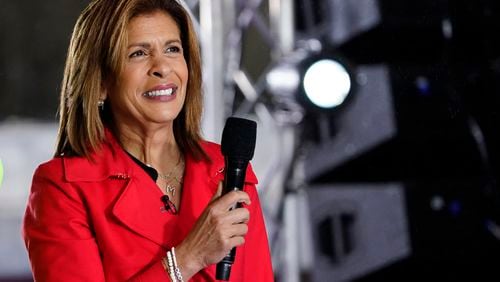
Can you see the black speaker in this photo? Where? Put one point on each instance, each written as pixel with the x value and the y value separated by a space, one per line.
pixel 356 229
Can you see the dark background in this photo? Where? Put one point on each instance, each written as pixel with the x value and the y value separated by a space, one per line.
pixel 34 39
pixel 447 141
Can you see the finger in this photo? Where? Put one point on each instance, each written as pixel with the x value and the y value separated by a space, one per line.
pixel 237 241
pixel 230 243
pixel 230 199
pixel 236 216
pixel 238 230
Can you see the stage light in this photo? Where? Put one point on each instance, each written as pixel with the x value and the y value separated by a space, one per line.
pixel 326 83
pixel 318 81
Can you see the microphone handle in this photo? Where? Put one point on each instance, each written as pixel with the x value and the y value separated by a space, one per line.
pixel 234 179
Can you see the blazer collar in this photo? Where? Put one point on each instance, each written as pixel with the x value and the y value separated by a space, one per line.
pixel 104 163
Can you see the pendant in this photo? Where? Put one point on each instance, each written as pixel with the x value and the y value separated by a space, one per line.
pixel 170 189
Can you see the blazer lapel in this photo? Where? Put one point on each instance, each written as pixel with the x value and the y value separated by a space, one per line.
pixel 138 205
pixel 139 208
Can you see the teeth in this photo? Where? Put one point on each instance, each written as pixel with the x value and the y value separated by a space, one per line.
pixel 164 92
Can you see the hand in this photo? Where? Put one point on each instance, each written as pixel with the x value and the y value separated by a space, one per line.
pixel 215 233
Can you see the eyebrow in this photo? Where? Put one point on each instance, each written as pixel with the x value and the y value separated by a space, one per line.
pixel 148 45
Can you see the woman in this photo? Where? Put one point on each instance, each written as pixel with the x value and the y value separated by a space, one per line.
pixel 133 192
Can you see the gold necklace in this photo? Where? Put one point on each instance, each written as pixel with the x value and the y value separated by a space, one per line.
pixel 173 178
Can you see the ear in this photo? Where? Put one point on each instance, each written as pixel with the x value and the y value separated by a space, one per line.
pixel 104 91
pixel 104 95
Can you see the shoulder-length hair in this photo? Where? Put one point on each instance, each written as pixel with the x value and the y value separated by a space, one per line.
pixel 96 55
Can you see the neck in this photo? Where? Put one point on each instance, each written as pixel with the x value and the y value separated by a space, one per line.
pixel 156 147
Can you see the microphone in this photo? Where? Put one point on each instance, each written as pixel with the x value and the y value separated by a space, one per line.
pixel 238 145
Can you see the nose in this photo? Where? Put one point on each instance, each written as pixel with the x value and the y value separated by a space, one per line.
pixel 160 67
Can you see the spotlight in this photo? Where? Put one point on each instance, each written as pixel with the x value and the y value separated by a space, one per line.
pixel 327 82
pixel 318 85
pixel 316 81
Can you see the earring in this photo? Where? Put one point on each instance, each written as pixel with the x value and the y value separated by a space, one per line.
pixel 100 105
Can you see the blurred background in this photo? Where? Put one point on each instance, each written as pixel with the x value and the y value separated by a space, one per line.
pixel 377 148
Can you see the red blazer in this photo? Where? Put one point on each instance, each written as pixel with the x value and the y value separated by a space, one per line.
pixel 103 220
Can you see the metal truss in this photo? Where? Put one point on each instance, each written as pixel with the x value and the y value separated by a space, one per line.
pixel 222 26
pixel 230 91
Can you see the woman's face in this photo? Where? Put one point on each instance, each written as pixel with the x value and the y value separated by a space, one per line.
pixel 151 88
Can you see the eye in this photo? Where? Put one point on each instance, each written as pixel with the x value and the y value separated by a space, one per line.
pixel 173 49
pixel 137 53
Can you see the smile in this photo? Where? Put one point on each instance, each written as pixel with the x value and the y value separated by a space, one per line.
pixel 163 92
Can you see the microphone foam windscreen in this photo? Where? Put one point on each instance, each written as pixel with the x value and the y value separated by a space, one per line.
pixel 238 138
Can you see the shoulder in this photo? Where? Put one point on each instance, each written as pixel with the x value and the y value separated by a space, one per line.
pixel 52 169
pixel 109 160
pixel 49 184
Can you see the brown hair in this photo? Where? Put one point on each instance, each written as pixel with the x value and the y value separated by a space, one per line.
pixel 95 56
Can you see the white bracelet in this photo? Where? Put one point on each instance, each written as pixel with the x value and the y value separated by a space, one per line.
pixel 173 270
pixel 170 267
pixel 178 273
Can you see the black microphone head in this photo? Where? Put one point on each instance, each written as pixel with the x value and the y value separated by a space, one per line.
pixel 238 138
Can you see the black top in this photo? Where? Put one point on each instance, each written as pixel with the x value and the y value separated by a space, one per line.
pixel 148 169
